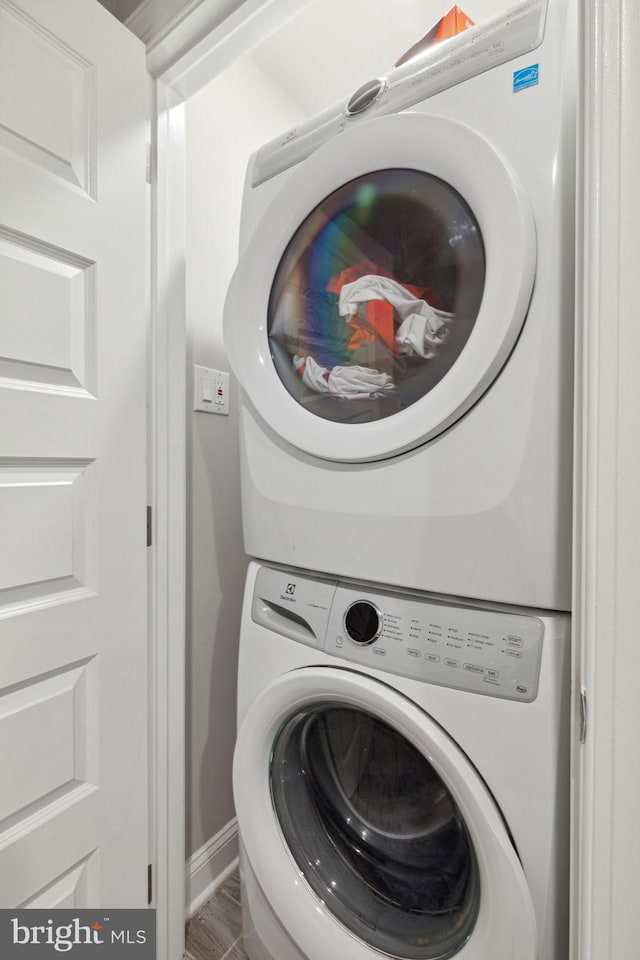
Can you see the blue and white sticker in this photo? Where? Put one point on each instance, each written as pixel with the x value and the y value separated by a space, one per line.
pixel 525 78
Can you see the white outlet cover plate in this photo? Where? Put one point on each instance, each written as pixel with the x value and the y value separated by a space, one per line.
pixel 210 390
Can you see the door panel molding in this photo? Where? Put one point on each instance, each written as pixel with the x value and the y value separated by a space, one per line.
pixel 74 650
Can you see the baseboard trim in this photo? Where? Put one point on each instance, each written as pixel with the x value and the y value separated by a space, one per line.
pixel 210 866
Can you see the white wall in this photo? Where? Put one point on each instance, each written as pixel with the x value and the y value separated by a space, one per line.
pixel 226 122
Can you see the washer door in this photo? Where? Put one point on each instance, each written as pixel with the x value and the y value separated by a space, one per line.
pixel 369 831
pixel 383 288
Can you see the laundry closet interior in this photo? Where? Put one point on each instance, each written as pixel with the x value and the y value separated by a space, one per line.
pixel 284 81
pixel 379 564
pixel 489 465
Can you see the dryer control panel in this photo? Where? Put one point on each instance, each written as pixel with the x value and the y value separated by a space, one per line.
pixel 480 648
pixel 500 39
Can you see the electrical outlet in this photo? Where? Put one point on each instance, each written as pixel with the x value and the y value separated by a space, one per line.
pixel 210 390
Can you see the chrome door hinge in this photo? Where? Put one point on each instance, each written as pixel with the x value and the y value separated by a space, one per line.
pixel 583 715
pixel 149 526
pixel 149 883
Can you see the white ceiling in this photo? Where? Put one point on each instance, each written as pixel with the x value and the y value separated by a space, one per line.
pixel 333 46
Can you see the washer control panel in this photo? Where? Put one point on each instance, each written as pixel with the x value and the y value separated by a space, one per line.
pixel 482 648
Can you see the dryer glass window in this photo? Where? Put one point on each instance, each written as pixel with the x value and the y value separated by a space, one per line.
pixel 376 832
pixel 376 295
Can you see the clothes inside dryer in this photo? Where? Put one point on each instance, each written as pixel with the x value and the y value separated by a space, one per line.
pixel 376 832
pixel 376 295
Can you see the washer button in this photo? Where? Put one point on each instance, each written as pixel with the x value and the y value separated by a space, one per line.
pixel 473 668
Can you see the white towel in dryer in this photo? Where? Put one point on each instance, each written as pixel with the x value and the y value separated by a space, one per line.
pixel 423 329
pixel 347 382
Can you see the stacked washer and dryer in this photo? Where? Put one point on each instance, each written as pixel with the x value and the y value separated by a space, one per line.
pixel 401 325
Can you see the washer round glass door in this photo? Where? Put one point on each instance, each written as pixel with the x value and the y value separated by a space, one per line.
pixel 369 831
pixel 375 831
pixel 383 288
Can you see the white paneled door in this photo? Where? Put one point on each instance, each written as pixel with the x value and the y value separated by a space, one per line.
pixel 73 640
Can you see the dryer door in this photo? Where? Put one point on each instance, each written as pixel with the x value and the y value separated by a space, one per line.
pixel 369 831
pixel 383 288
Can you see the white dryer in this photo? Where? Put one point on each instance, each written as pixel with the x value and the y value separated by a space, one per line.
pixel 401 774
pixel 401 323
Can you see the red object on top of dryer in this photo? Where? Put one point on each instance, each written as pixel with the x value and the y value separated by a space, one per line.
pixel 453 22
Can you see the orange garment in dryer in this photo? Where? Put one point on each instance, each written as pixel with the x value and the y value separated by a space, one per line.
pixel 379 315
pixel 379 323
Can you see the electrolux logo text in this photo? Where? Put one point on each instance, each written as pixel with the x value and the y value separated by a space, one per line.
pixel 289 593
pixel 31 934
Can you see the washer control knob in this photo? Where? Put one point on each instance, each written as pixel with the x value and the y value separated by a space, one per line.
pixel 363 622
pixel 365 96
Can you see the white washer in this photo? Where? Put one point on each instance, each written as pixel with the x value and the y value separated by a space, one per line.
pixel 401 774
pixel 449 472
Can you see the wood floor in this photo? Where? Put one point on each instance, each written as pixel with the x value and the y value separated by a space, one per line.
pixel 215 932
